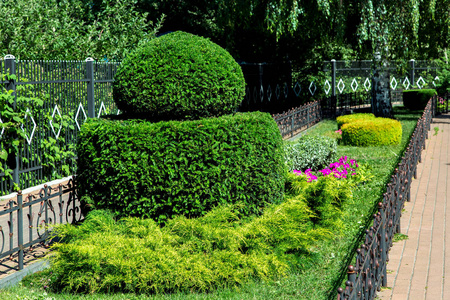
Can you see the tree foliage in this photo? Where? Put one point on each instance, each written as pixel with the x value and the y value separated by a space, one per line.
pixel 312 30
pixel 71 29
pixel 404 29
pixel 307 31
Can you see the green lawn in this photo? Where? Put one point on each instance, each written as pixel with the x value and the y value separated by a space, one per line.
pixel 319 274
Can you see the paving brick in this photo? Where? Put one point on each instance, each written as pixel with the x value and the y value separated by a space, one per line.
pixel 423 260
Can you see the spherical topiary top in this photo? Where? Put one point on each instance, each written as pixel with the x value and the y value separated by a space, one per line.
pixel 179 76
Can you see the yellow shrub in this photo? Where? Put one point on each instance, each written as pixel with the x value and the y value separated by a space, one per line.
pixel 352 118
pixel 374 132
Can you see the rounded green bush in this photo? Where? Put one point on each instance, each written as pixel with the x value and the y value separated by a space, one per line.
pixel 341 120
pixel 375 132
pixel 417 99
pixel 178 76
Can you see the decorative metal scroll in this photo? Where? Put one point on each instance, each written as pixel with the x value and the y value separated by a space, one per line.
pixel 29 219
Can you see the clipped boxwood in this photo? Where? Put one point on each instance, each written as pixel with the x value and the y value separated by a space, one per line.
pixel 310 152
pixel 341 120
pixel 376 132
pixel 159 170
pixel 178 76
pixel 417 99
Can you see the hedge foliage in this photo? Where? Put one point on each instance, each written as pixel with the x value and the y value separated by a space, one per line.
pixel 376 132
pixel 341 120
pixel 310 152
pixel 159 170
pixel 178 76
pixel 417 99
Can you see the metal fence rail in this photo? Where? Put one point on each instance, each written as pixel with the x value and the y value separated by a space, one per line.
pixel 298 119
pixel 368 273
pixel 26 220
pixel 303 117
pixel 78 89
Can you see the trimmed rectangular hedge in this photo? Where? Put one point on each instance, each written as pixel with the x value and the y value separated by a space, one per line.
pixel 417 99
pixel 159 170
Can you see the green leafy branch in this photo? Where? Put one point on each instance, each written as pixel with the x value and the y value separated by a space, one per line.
pixel 15 108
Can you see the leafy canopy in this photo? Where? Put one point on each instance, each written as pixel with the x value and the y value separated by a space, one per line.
pixel 71 29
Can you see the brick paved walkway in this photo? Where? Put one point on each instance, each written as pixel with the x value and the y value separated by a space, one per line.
pixel 418 265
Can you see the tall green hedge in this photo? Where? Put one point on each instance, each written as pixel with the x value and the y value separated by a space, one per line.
pixel 417 99
pixel 159 170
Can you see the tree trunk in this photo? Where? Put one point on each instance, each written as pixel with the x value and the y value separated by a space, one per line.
pixel 381 93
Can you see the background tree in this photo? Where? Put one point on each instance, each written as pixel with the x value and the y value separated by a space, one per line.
pixel 71 29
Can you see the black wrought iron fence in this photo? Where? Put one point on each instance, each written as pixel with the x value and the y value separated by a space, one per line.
pixel 368 274
pixel 346 103
pixel 304 116
pixel 27 220
pixel 441 103
pixel 76 89
pixel 298 119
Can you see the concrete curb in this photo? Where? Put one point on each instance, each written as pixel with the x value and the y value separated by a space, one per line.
pixel 16 277
pixel 36 188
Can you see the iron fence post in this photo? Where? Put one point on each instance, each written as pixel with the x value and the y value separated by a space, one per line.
pixel 446 102
pixel 90 87
pixel 333 77
pixel 383 244
pixel 46 210
pixel 412 64
pixel 10 65
pixel 308 111
pixel 20 228
pixel 433 99
pixel 292 124
pixel 333 87
pixel 350 283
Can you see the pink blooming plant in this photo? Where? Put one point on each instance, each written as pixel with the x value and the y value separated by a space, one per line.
pixel 339 169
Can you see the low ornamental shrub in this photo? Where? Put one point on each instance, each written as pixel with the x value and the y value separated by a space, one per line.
pixel 310 152
pixel 217 250
pixel 341 120
pixel 178 76
pixel 417 99
pixel 325 191
pixel 376 132
pixel 160 170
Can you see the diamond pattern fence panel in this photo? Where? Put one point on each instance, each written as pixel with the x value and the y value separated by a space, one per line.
pixel 49 150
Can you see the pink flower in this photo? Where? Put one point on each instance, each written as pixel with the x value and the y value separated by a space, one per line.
pixel 297 172
pixel 340 169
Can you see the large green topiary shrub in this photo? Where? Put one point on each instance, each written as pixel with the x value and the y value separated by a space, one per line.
pixel 417 99
pixel 310 152
pixel 159 170
pixel 375 132
pixel 179 76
